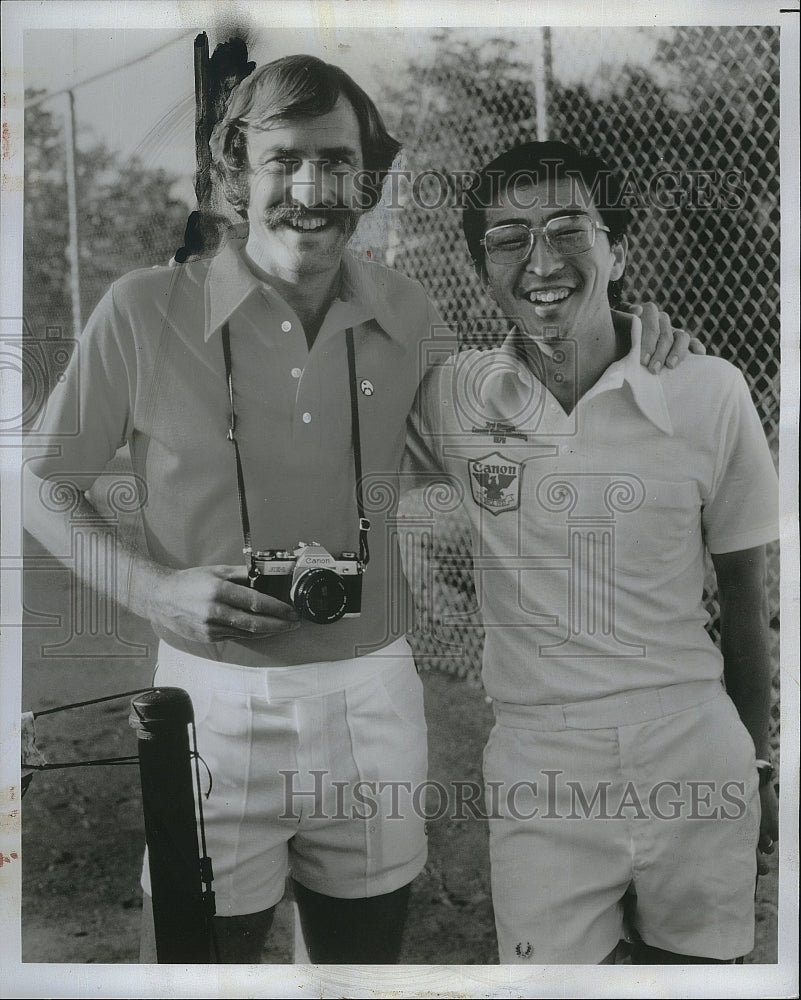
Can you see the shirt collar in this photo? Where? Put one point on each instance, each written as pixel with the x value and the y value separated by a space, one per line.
pixel 646 388
pixel 376 292
pixel 230 282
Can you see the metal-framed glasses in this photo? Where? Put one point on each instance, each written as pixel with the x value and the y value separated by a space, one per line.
pixel 565 235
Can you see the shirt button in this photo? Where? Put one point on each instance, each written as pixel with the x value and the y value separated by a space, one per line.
pixel 286 326
pixel 296 373
pixel 307 418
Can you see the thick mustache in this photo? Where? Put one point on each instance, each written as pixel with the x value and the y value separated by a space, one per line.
pixel 297 213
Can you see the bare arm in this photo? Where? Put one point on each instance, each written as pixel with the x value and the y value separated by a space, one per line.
pixel 747 667
pixel 200 604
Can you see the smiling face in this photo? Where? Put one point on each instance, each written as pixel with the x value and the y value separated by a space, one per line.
pixel 301 193
pixel 553 296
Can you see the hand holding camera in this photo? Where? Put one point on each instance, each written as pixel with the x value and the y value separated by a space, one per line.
pixel 206 604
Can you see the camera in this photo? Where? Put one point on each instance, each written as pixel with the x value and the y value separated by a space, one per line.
pixel 319 587
pixel 39 363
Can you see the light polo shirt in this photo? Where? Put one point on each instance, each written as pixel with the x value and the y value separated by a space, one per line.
pixel 589 530
pixel 150 372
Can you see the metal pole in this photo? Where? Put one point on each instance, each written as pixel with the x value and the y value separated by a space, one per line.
pixel 547 54
pixel 72 215
pixel 181 914
pixel 542 58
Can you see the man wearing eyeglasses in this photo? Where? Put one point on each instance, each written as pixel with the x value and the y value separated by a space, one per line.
pixel 620 775
pixel 251 348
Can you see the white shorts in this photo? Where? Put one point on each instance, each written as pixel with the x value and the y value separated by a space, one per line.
pixel 586 808
pixel 314 769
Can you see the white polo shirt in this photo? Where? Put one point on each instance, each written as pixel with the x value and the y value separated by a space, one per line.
pixel 149 371
pixel 589 530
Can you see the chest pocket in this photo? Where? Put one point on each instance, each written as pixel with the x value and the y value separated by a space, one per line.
pixel 666 527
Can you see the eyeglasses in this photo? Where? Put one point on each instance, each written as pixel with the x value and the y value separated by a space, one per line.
pixel 566 235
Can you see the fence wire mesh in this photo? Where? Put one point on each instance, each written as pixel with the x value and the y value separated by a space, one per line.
pixel 702 108
pixel 705 112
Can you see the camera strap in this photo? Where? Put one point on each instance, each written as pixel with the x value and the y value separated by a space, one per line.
pixel 364 524
pixel 240 479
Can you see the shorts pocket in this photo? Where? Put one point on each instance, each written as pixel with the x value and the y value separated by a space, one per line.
pixel 404 696
pixel 228 714
pixel 200 694
pixel 742 746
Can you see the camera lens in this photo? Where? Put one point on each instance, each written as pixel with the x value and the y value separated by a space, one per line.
pixel 319 595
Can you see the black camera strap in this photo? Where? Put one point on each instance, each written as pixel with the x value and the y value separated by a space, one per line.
pixel 240 479
pixel 364 524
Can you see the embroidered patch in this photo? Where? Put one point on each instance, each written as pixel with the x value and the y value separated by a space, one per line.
pixel 495 482
pixel 367 387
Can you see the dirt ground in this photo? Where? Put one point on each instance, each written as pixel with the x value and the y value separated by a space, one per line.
pixel 83 829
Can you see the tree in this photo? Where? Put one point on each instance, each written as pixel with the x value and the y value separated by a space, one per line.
pixel 127 218
pixel 453 111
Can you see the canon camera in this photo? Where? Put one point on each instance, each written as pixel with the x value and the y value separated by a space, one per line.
pixel 319 587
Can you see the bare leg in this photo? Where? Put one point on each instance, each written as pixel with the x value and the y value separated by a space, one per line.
pixel 352 931
pixel 236 940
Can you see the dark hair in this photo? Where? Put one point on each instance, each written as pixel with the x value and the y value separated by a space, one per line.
pixel 295 87
pixel 542 163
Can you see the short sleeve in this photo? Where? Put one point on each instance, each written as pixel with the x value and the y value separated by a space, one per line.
pixel 742 510
pixel 88 415
pixel 421 460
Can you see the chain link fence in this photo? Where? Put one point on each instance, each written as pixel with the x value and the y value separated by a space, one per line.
pixel 696 132
pixel 694 124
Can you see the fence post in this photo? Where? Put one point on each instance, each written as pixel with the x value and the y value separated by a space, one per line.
pixel 72 215
pixel 541 52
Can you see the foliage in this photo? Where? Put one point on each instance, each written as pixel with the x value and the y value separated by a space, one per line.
pixel 706 102
pixel 126 219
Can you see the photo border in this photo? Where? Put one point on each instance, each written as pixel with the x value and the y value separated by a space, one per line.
pixel 463 981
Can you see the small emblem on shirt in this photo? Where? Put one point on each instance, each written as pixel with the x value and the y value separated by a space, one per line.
pixel 495 482
pixel 524 951
pixel 367 387
pixel 499 431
